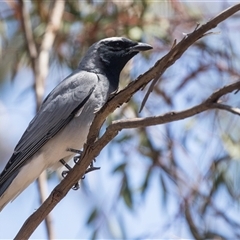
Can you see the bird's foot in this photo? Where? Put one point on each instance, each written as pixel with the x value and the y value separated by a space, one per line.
pixel 74 151
pixel 76 186
pixel 91 168
pixel 76 160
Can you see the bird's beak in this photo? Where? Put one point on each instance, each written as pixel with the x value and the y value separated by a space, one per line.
pixel 140 47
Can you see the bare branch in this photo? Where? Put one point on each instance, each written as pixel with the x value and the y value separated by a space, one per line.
pixel 40 78
pixel 40 66
pixel 93 146
pixel 210 103
pixel 150 89
pixel 199 32
pixel 27 29
pixel 42 189
pixel 227 108
pixel 47 42
pixel 192 226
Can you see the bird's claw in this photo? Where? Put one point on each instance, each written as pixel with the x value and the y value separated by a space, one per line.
pixel 65 173
pixel 76 186
pixel 76 160
pixel 90 168
pixel 74 150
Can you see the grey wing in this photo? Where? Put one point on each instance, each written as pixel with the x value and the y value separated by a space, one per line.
pixel 58 109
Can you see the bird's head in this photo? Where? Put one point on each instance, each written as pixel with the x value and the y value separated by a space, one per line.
pixel 110 55
pixel 117 51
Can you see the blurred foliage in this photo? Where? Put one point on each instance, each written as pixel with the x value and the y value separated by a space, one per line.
pixel 195 161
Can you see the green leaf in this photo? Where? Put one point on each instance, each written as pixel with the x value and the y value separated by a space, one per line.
pixel 93 216
pixel 120 168
pixel 127 194
pixel 146 181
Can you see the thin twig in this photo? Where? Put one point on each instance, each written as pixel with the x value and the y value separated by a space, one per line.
pixel 191 224
pixel 210 103
pixel 199 32
pixel 227 108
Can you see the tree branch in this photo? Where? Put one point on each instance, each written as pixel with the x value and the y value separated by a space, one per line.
pixel 46 45
pixel 198 33
pixel 227 108
pixel 40 66
pixel 27 29
pixel 93 147
pixel 210 103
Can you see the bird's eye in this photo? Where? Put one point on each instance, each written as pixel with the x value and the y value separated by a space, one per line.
pixel 115 44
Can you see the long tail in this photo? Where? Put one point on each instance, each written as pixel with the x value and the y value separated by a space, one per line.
pixel 20 180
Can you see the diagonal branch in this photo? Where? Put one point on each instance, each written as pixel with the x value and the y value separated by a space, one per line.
pixel 93 146
pixel 227 108
pixel 198 33
pixel 159 68
pixel 210 103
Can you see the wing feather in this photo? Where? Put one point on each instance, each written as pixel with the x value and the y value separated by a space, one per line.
pixel 57 110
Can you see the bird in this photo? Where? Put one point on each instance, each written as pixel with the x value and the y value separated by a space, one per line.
pixel 64 118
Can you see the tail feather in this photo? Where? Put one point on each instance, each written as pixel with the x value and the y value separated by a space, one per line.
pixel 21 179
pixel 6 184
